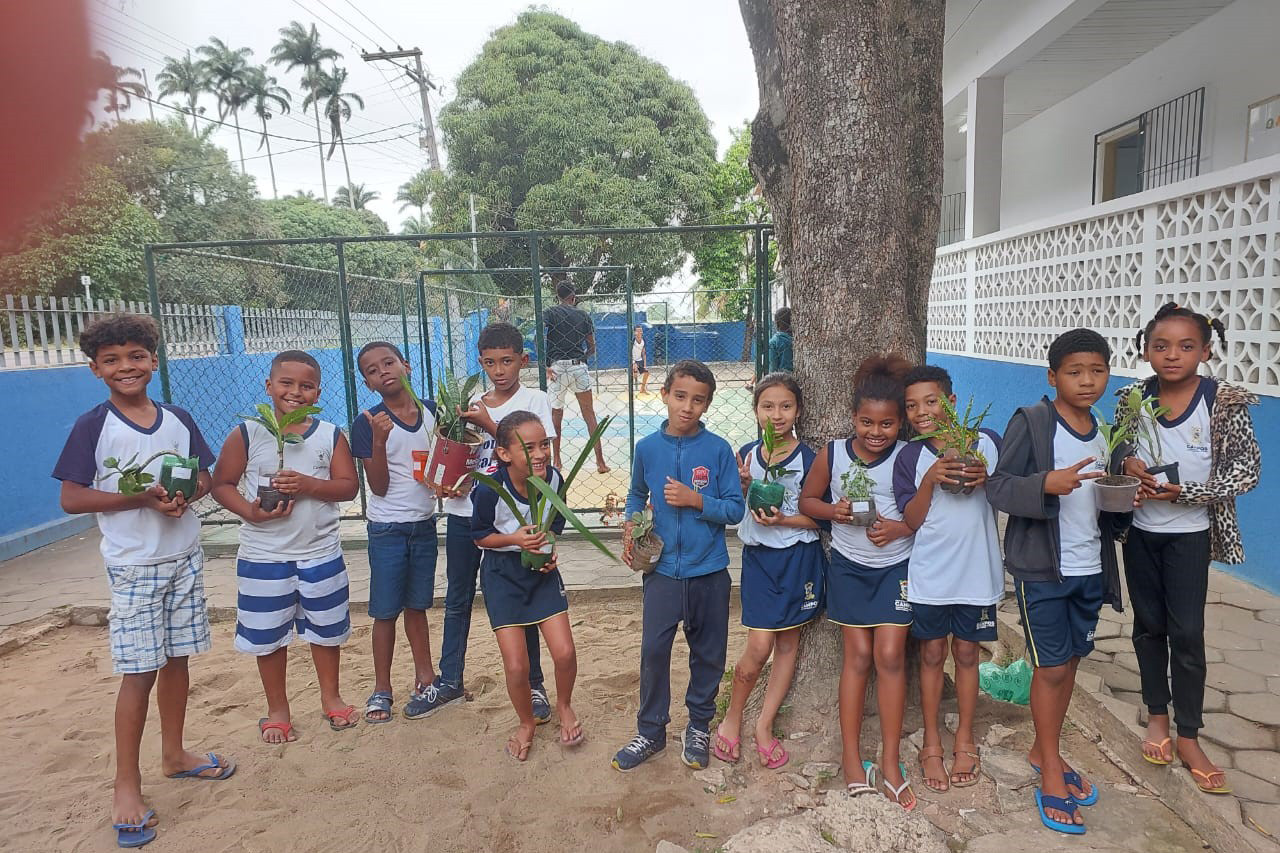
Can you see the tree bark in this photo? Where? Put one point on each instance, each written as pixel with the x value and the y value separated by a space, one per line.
pixel 847 147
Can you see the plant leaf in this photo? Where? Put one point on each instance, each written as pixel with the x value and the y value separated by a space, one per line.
pixel 492 483
pixel 545 488
pixel 592 441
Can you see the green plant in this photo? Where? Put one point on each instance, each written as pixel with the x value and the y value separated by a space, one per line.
pixel 1141 416
pixel 133 478
pixel 769 441
pixel 957 432
pixel 1114 433
pixel 267 419
pixel 641 524
pixel 452 396
pixel 856 483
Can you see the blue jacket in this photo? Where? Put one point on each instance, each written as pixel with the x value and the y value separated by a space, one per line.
pixel 693 542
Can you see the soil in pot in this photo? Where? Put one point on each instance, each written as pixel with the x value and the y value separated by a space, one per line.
pixel 765 497
pixel 535 560
pixel 864 511
pixel 962 485
pixel 645 553
pixel 1115 492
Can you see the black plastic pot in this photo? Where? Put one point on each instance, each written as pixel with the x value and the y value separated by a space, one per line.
pixel 271 497
pixel 1169 471
pixel 962 486
pixel 864 511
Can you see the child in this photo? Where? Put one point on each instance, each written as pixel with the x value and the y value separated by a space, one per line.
pixel 502 356
pixel 954 577
pixel 867 578
pixel 151 548
pixel 638 359
pixel 782 571
pixel 289 567
pixel 402 522
pixel 691 477
pixel 1182 525
pixel 780 344
pixel 516 597
pixel 1060 551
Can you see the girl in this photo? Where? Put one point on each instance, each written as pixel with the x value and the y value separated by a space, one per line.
pixel 639 356
pixel 782 570
pixel 515 596
pixel 1182 524
pixel 867 578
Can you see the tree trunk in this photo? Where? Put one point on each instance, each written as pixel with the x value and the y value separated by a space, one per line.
pixel 315 108
pixel 346 167
pixel 847 148
pixel 271 166
pixel 235 117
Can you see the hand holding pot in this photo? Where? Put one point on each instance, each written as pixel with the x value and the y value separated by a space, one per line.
pixel 1064 481
pixel 842 512
pixel 774 520
pixel 884 531
pixel 258 515
pixel 1158 491
pixel 975 474
pixel 479 416
pixel 155 497
pixel 529 538
pixel 944 472
pixel 1135 467
pixel 550 565
pixel 291 482
pixel 628 544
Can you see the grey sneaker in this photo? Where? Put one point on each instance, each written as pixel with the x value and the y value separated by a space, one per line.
pixel 428 700
pixel 640 750
pixel 541 705
pixel 696 752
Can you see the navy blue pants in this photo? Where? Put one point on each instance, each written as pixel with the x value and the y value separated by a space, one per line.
pixel 702 605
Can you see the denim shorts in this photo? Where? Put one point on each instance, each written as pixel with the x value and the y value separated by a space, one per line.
pixel 157 612
pixel 402 566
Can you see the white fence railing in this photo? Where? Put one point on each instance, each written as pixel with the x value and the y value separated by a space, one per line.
pixel 1211 243
pixel 276 329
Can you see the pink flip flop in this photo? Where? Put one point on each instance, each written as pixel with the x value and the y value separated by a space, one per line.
pixel 774 756
pixel 724 748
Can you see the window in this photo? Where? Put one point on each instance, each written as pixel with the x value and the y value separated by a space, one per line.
pixel 1159 147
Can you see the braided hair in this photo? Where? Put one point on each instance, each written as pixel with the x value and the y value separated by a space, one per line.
pixel 1207 325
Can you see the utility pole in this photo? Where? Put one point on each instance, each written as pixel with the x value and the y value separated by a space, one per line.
pixel 146 85
pixel 424 83
pixel 475 248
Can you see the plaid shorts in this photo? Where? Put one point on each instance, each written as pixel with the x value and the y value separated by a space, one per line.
pixel 157 612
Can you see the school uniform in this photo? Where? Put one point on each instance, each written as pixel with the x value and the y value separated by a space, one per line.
pixel 514 595
pixel 954 575
pixel 866 584
pixel 462 557
pixel 690 583
pixel 290 574
pixel 401 523
pixel 154 563
pixel 783 568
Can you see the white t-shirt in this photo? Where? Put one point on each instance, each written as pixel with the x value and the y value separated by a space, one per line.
pixel 1080 539
pixel 956 555
pixel 1185 441
pixel 637 350
pixel 752 532
pixel 406 499
pixel 524 400
pixel 851 540
pixel 134 537
pixel 310 531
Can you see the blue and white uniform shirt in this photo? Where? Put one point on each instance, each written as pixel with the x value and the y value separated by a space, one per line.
pixel 797 464
pixel 406 499
pixel 851 540
pixel 1184 440
pixel 492 515
pixel 1080 538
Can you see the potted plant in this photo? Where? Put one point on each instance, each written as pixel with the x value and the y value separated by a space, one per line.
pixel 269 495
pixel 456 446
pixel 855 485
pixel 1114 492
pixel 544 502
pixel 420 457
pixel 766 494
pixel 646 544
pixel 178 475
pixel 957 436
pixel 1142 414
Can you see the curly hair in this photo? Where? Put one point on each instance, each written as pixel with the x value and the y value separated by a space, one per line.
pixel 928 373
pixel 1207 325
pixel 118 330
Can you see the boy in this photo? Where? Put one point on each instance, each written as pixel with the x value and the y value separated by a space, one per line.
pixel 289 567
pixel 954 575
pixel 691 477
pixel 401 521
pixel 502 356
pixel 780 344
pixel 1060 551
pixel 151 548
pixel 639 359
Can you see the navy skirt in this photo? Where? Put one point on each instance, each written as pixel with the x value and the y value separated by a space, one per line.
pixel 515 595
pixel 866 596
pixel 781 587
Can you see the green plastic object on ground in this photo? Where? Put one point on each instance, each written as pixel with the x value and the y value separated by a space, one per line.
pixel 1010 683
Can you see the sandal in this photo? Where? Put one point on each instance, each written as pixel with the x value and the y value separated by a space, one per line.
pixel 899 791
pixel 1073 780
pixel 135 834
pixel 266 725
pixel 225 770
pixel 348 715
pixel 857 789
pixel 724 748
pixel 1062 804
pixel 934 752
pixel 1158 747
pixel 1202 780
pixel 521 748
pixel 973 752
pixel 774 756
pixel 576 739
pixel 379 703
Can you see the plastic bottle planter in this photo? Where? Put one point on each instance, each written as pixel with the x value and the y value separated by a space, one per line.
pixel 1115 492
pixel 765 497
pixel 269 496
pixel 855 485
pixel 535 560
pixel 450 461
pixel 178 475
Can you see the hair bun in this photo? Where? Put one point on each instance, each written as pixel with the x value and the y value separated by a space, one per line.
pixel 889 365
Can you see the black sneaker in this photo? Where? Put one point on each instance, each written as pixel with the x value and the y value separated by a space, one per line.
pixel 640 750
pixel 428 700
pixel 541 705
pixel 697 746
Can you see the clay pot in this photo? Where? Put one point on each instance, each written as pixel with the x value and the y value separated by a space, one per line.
pixel 645 553
pixel 765 497
pixel 1115 492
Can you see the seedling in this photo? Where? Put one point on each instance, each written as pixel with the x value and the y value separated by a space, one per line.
pixel 767 494
pixel 456 445
pixel 646 544
pixel 957 437
pixel 1114 492
pixel 855 485
pixel 270 496
pixel 134 479
pixel 452 396
pixel 1141 415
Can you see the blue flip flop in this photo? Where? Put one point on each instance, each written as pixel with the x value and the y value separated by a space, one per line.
pixel 1064 804
pixel 379 701
pixel 214 764
pixel 1072 779
pixel 135 834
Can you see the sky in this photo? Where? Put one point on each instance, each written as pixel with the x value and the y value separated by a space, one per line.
pixel 702 43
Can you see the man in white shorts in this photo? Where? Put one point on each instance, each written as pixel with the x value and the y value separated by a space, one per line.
pixel 571 340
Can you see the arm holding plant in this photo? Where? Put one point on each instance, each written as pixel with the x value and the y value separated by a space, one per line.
pixel 343 483
pixel 77 499
pixel 812 503
pixel 227 474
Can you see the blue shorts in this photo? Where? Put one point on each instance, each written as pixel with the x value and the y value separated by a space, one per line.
pixel 972 623
pixel 1059 619
pixel 402 566
pixel 275 599
pixel 781 587
pixel 861 596
pixel 516 596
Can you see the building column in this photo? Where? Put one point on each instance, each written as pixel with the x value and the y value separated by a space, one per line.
pixel 983 156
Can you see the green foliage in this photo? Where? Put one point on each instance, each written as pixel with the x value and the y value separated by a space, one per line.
pixel 276 426
pixel 553 127
pixel 641 524
pixel 354 195
pixel 769 441
pixel 452 395
pixel 133 479
pixel 855 483
pixel 1140 416
pixel 957 432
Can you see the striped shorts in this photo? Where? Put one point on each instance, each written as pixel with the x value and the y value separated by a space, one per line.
pixel 157 612
pixel 274 599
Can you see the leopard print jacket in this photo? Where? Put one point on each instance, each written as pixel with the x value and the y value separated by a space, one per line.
pixel 1235 465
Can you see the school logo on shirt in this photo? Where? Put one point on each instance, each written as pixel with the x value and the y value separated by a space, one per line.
pixel 901 603
pixel 701 477
pixel 810 600
pixel 985 620
pixel 1197 435
pixel 1088 638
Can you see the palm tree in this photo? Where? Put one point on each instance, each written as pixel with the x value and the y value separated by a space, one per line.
pixel 225 67
pixel 354 196
pixel 184 77
pixel 327 87
pixel 266 96
pixel 122 84
pixel 415 225
pixel 417 192
pixel 299 47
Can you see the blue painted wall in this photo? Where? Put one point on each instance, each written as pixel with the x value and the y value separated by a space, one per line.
pixel 1008 386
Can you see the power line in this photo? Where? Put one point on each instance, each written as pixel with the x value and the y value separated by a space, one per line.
pixel 181 45
pixel 390 38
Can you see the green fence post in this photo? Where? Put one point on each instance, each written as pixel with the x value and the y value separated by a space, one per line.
pixel 425 322
pixel 540 330
pixel 153 292
pixel 404 319
pixel 450 362
pixel 348 363
pixel 762 300
pixel 631 376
